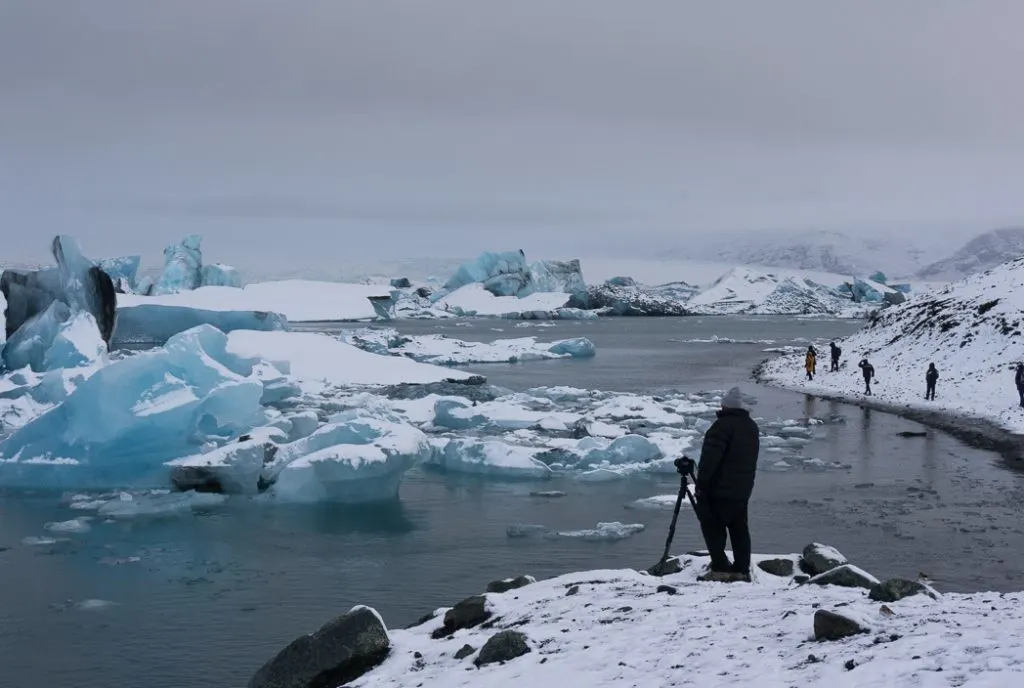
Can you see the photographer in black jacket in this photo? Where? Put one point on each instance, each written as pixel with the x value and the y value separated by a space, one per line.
pixel 725 480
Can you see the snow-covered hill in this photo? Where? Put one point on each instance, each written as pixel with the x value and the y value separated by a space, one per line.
pixel 983 252
pixel 744 290
pixel 824 251
pixel 971 330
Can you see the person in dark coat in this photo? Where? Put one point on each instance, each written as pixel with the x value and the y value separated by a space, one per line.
pixel 836 353
pixel 930 378
pixel 1019 379
pixel 725 481
pixel 868 371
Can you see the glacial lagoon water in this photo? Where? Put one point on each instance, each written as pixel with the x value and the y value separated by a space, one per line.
pixel 203 600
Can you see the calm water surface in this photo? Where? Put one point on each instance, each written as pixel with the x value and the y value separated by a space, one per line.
pixel 213 596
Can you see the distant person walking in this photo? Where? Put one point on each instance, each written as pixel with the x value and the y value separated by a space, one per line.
pixel 836 353
pixel 1019 379
pixel 811 362
pixel 868 371
pixel 930 378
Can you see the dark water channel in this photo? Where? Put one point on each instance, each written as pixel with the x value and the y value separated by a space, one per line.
pixel 211 597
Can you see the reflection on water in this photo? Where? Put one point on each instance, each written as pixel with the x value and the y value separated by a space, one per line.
pixel 210 597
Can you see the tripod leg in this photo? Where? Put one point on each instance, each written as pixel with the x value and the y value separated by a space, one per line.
pixel 675 516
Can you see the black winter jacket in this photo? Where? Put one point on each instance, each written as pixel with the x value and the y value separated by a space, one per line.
pixel 728 459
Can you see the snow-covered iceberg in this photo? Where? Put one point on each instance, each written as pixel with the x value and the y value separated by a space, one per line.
pixel 153 324
pixel 443 350
pixel 219 275
pixel 492 458
pixel 124 272
pixel 744 290
pixel 475 300
pixel 296 300
pixel 623 296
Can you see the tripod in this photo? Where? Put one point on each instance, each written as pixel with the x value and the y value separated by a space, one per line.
pixel 667 565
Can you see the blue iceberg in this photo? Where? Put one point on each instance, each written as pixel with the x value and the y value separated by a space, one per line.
pixel 123 271
pixel 508 274
pixel 879 277
pixel 30 343
pixel 625 449
pixel 578 347
pixel 183 263
pixel 118 427
pixel 217 275
pixel 361 459
pixel 487 266
pixel 556 276
pixel 152 325
pixel 76 343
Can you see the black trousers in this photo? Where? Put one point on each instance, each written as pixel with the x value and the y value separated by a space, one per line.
pixel 1020 390
pixel 835 365
pixel 719 518
pixel 930 391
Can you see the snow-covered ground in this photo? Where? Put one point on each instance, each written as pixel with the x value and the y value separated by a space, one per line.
pixel 297 300
pixel 616 628
pixel 971 331
pixel 473 299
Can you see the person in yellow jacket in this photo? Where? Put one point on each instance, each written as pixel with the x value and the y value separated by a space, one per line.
pixel 811 362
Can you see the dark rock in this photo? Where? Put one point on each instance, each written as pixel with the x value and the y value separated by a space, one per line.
pixel 400 282
pixel 465 651
pixel 777 567
pixel 845 576
pixel 801 578
pixel 895 589
pixel 468 613
pixel 907 433
pixel 4 549
pixel 832 626
pixel 510 584
pixel 671 590
pixel 429 616
pixel 473 389
pixel 502 647
pixel 850 665
pixel 580 429
pixel 417 655
pixel 574 590
pixel 198 478
pixel 666 567
pixel 698 553
pixel 341 651
pixel 818 558
pixel 424 292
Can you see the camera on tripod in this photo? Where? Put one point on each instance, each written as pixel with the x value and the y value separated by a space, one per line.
pixel 685 465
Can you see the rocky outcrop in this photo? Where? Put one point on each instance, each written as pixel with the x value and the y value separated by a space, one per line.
pixel 341 651
pixel 473 388
pixel 846 576
pixel 465 651
pixel 468 613
pixel 895 589
pixel 617 300
pixel 502 647
pixel 507 584
pixel 818 558
pixel 833 626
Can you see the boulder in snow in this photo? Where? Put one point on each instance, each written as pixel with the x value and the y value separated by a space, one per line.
pixel 502 647
pixel 777 567
pixel 847 576
pixel 833 626
pixel 339 652
pixel 507 584
pixel 895 589
pixel 818 558
pixel 468 613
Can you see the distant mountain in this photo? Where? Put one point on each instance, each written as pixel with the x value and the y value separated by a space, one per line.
pixel 981 253
pixel 822 251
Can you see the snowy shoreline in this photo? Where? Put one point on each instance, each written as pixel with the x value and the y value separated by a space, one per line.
pixel 812 619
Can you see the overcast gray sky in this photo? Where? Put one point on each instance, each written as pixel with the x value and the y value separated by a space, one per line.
pixel 303 131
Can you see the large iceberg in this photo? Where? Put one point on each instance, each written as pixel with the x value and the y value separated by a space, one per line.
pixel 119 426
pixel 508 274
pixel 39 301
pixel 153 324
pixel 443 350
pixel 183 264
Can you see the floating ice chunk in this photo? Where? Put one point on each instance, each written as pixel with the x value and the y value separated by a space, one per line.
pixel 667 501
pixel 218 275
pixel 551 423
pixel 625 449
pixel 155 505
pixel 600 475
pixel 450 413
pixel 556 276
pixel 524 530
pixel 154 324
pixel 548 494
pixel 574 314
pixel 604 532
pixel 579 347
pixel 121 424
pixel 36 541
pixel 491 458
pixel 235 468
pixel 487 266
pixel 600 429
pixel 304 423
pixel 182 265
pixel 94 605
pixel 361 460
pixel 75 525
